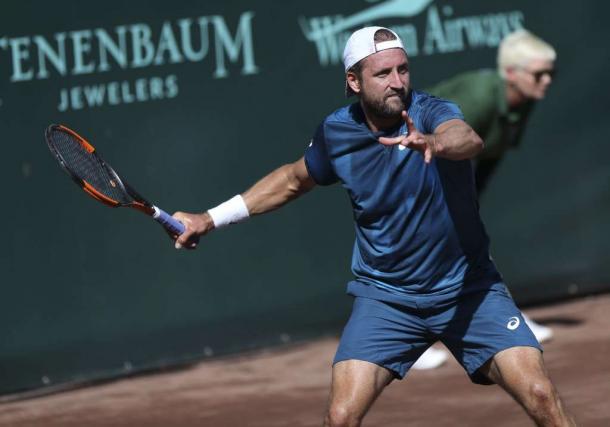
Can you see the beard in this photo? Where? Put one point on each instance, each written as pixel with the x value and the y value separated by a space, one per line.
pixel 388 106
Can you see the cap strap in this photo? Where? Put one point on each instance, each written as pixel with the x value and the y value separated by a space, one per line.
pixel 389 44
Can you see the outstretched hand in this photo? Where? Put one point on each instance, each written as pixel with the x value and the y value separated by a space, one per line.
pixel 196 225
pixel 415 140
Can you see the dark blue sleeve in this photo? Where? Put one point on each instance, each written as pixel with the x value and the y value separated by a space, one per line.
pixel 317 159
pixel 436 111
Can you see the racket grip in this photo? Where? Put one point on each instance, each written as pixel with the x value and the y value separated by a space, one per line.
pixel 166 220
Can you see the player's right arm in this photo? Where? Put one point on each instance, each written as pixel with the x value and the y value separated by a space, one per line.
pixel 278 188
pixel 284 184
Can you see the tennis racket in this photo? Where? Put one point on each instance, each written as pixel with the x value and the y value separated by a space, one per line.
pixel 90 172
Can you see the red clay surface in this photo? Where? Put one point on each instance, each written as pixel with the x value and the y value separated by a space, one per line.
pixel 289 387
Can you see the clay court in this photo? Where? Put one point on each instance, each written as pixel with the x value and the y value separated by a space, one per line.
pixel 288 387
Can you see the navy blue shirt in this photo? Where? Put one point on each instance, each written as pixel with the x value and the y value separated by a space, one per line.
pixel 418 230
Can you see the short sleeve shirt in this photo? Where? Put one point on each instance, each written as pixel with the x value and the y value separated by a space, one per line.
pixel 418 230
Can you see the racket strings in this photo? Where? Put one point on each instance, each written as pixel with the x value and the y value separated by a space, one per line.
pixel 88 167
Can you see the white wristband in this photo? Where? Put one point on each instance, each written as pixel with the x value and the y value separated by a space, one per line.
pixel 232 211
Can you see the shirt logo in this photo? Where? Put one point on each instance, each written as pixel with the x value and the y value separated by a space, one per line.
pixel 513 323
pixel 405 134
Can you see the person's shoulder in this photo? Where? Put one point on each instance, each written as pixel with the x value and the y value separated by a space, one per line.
pixel 346 114
pixel 349 118
pixel 422 99
pixel 482 88
pixel 422 96
pixel 478 93
pixel 485 78
pixel 431 110
pixel 342 120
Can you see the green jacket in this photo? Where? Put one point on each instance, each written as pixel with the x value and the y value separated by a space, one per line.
pixel 481 95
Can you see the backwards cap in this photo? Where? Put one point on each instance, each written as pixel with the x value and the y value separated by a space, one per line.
pixel 362 44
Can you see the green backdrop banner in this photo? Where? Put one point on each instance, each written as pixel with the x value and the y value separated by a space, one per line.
pixel 194 101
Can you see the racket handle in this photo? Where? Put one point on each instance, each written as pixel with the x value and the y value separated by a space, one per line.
pixel 166 220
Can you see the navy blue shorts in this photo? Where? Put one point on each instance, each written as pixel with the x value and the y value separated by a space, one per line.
pixel 474 326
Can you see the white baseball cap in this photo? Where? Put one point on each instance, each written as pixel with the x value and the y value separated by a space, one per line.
pixel 362 44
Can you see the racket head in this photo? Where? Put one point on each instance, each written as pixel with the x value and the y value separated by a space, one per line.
pixel 89 171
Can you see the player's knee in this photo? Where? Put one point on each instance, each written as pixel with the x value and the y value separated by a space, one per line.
pixel 340 415
pixel 542 393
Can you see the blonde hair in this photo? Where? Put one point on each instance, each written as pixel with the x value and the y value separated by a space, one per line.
pixel 519 48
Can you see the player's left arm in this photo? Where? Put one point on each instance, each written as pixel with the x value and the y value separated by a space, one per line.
pixel 453 139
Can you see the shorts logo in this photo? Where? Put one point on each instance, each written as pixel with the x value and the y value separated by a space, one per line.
pixel 513 323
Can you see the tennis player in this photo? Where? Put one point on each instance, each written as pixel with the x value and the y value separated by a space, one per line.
pixel 421 264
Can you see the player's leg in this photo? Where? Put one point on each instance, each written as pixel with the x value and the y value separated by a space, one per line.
pixel 355 386
pixel 521 372
pixel 488 335
pixel 380 342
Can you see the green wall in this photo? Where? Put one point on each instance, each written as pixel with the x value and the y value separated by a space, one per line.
pixel 192 102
